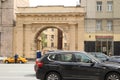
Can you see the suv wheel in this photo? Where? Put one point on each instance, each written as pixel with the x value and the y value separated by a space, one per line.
pixel 113 76
pixel 53 76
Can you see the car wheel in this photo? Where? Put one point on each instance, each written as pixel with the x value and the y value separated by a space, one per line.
pixel 6 62
pixel 113 76
pixel 53 76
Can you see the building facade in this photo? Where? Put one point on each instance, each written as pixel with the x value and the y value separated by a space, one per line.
pixel 92 26
pixel 32 21
pixel 51 39
pixel 7 23
pixel 102 26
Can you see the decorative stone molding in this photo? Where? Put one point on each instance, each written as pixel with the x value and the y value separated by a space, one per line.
pixel 49 18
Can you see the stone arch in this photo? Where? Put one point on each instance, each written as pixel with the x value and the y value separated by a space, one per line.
pixel 45 27
pixel 31 21
pixel 60 45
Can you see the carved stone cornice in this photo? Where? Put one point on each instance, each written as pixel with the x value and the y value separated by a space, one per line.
pixel 51 14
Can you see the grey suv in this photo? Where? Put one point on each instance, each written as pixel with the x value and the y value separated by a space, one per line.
pixel 61 65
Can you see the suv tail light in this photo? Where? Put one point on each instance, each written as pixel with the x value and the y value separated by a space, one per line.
pixel 39 64
pixel 36 61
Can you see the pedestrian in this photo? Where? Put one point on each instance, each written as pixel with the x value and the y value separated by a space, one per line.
pixel 16 58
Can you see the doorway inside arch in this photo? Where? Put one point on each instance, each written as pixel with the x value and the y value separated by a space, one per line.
pixel 51 39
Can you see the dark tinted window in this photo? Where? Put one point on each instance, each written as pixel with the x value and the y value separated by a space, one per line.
pixel 66 57
pixel 81 57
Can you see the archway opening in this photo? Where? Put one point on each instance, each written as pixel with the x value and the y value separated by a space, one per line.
pixel 51 38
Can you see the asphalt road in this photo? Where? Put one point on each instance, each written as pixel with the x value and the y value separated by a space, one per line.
pixel 17 72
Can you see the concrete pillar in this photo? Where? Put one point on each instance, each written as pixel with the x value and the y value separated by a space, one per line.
pixel 81 33
pixel 18 39
pixel 72 37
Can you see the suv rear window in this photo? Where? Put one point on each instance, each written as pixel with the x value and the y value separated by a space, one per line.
pixel 61 57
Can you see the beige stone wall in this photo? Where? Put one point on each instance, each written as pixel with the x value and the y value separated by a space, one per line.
pixel 7 12
pixel 116 8
pixel 81 33
pixel 6 27
pixel 116 26
pixel 0 14
pixel 7 23
pixel 90 8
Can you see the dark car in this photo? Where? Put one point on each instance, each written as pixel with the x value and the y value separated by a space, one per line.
pixel 115 59
pixel 100 56
pixel 37 60
pixel 75 65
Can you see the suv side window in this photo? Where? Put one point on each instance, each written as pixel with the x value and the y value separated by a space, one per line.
pixel 52 57
pixel 81 57
pixel 66 57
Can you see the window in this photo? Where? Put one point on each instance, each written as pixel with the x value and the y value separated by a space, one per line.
pixel 66 57
pixel 45 36
pixel 65 44
pixel 52 29
pixel 81 57
pixel 52 44
pixel 52 57
pixel 98 25
pixel 52 36
pixel 99 6
pixel 109 5
pixel 109 25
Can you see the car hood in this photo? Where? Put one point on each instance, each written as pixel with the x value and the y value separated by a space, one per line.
pixel 111 64
pixel 116 60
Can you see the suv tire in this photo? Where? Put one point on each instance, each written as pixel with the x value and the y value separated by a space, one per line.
pixel 113 76
pixel 53 76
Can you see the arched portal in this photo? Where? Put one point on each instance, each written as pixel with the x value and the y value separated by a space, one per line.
pixel 31 22
pixel 54 37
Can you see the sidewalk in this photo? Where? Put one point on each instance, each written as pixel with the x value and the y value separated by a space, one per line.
pixel 31 62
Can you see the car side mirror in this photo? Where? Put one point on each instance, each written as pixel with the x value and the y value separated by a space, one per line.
pixel 107 59
pixel 93 63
